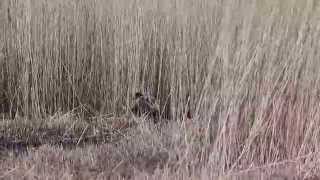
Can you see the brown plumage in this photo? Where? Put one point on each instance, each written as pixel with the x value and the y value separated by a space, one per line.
pixel 189 115
pixel 143 106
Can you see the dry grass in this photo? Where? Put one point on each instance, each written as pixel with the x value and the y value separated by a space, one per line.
pixel 248 70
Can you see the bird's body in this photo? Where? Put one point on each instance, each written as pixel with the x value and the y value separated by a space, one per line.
pixel 144 106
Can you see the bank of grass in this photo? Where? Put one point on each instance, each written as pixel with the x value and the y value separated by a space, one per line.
pixel 168 152
pixel 250 68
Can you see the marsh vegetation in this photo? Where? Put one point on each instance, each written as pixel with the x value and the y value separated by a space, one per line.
pixel 248 71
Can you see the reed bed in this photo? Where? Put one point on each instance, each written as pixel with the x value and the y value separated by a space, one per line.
pixel 247 70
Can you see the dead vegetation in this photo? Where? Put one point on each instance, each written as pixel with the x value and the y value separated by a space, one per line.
pixel 233 87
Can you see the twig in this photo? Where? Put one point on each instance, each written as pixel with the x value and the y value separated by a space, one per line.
pixel 82 134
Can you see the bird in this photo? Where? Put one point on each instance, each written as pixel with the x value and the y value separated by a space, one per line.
pixel 145 106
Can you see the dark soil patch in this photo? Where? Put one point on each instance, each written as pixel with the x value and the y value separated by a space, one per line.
pixel 53 137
